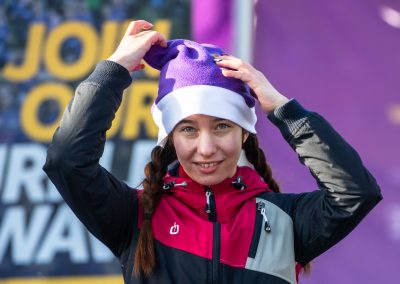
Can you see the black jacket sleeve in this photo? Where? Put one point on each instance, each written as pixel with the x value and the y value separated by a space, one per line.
pixel 105 205
pixel 347 191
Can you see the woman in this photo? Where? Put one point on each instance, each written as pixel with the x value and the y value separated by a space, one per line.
pixel 200 217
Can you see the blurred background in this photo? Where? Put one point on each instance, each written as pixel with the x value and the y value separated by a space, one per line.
pixel 339 58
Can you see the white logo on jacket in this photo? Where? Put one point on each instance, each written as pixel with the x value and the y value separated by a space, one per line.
pixel 174 229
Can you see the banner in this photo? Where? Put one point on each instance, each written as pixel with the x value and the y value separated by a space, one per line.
pixel 46 49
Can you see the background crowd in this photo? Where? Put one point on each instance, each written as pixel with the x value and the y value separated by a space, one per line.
pixel 17 16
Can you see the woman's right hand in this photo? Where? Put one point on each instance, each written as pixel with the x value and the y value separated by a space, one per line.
pixel 137 40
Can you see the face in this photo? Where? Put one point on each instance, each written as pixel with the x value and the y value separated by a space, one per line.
pixel 208 147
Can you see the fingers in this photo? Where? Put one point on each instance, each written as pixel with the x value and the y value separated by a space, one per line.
pixel 136 26
pixel 231 62
pixel 153 37
pixel 234 67
pixel 158 38
pixel 234 74
pixel 138 67
pixel 162 41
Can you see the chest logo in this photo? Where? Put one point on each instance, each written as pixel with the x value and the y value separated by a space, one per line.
pixel 174 229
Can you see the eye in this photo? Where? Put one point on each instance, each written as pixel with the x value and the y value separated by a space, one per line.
pixel 222 126
pixel 188 129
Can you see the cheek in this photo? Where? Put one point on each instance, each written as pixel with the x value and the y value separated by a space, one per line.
pixel 236 142
pixel 182 149
pixel 233 147
pixel 235 151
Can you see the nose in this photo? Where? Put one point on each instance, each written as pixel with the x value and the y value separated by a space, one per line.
pixel 206 144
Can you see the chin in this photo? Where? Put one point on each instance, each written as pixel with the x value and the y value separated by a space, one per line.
pixel 208 181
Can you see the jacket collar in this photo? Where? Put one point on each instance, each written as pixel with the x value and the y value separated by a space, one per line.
pixel 229 198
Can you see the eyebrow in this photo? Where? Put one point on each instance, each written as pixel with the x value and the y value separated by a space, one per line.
pixel 217 119
pixel 185 121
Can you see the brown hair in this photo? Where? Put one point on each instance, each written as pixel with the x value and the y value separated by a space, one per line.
pixel 255 155
pixel 155 170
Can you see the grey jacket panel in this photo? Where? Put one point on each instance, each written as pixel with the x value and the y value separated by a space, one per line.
pixel 275 250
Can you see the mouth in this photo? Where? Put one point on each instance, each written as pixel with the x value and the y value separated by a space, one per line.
pixel 207 167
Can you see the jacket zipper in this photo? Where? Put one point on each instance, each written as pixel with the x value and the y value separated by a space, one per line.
pixel 261 224
pixel 210 205
pixel 258 224
pixel 211 210
pixel 263 212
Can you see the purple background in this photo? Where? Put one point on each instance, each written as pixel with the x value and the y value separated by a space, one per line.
pixel 341 59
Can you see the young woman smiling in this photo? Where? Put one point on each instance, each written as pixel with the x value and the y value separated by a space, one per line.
pixel 208 148
pixel 200 217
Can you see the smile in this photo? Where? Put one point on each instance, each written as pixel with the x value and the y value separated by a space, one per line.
pixel 207 165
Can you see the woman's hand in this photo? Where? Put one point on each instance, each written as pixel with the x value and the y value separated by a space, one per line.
pixel 136 42
pixel 266 94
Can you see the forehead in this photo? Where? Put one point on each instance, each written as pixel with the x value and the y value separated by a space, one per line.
pixel 196 118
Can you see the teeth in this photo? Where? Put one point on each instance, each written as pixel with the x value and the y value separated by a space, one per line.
pixel 207 165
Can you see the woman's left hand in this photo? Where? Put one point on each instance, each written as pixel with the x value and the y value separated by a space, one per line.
pixel 268 97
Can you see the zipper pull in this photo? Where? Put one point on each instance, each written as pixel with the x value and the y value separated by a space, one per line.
pixel 172 184
pixel 238 183
pixel 184 184
pixel 208 203
pixel 168 185
pixel 211 208
pixel 261 207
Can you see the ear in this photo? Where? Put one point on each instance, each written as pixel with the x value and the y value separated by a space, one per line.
pixel 245 136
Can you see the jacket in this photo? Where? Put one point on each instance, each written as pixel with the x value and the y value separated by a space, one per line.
pixel 235 232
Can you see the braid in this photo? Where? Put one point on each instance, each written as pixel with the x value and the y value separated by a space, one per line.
pixel 256 157
pixel 154 172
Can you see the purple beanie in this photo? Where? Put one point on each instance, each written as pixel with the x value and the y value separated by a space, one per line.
pixel 191 83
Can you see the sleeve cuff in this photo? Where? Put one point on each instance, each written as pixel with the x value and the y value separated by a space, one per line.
pixel 289 117
pixel 111 75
